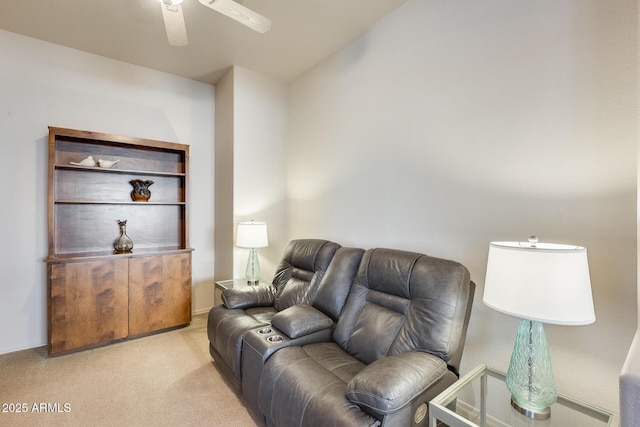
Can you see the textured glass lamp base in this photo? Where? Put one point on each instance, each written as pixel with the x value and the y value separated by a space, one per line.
pixel 542 414
pixel 253 268
pixel 530 376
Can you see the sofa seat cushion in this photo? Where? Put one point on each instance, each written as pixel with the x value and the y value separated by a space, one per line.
pixel 262 315
pixel 226 329
pixel 299 384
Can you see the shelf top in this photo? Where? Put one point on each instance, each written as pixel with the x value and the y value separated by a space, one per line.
pixel 86 256
pixel 108 202
pixel 105 137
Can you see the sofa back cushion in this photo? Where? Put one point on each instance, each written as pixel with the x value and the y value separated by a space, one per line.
pixel 403 301
pixel 304 261
pixel 329 294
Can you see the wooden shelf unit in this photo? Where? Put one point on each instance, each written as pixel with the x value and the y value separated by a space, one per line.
pixel 95 295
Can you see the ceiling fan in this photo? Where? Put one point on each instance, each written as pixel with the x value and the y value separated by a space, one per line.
pixel 177 31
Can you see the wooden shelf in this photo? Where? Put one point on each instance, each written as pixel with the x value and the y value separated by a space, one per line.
pixel 116 170
pixel 86 256
pixel 96 202
pixel 95 295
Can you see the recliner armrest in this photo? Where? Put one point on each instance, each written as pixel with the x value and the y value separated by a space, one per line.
pixel 390 383
pixel 299 320
pixel 249 296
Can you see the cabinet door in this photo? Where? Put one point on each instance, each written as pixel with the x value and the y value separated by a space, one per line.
pixel 159 292
pixel 88 304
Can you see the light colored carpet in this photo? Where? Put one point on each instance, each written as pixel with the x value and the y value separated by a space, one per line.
pixel 167 379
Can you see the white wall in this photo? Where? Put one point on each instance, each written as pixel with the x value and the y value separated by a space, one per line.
pixel 454 123
pixel 224 229
pixel 251 171
pixel 260 121
pixel 44 84
pixel 630 373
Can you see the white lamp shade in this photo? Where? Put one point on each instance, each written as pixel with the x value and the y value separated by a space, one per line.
pixel 547 282
pixel 252 235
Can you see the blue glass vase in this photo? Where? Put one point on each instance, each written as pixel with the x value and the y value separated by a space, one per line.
pixel 253 268
pixel 530 375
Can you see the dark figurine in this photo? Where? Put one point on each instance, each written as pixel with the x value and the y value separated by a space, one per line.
pixel 140 191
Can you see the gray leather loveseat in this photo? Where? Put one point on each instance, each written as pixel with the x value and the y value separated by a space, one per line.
pixel 304 261
pixel 377 335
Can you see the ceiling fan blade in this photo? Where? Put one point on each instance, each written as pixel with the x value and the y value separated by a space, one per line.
pixel 239 13
pixel 174 23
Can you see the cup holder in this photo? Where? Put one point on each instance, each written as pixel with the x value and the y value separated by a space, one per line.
pixel 275 338
pixel 264 331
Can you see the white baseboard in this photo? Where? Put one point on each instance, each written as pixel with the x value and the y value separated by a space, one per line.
pixel 201 311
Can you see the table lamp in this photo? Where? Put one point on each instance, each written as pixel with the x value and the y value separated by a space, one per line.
pixel 252 235
pixel 538 283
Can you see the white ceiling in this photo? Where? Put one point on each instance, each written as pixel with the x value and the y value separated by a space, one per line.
pixel 303 32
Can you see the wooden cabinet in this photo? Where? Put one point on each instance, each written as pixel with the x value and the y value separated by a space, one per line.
pixel 88 303
pixel 156 284
pixel 96 295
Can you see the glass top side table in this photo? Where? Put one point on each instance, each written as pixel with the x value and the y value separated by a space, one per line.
pixel 481 398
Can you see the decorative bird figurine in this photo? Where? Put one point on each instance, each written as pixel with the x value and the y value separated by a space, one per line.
pixel 87 161
pixel 107 163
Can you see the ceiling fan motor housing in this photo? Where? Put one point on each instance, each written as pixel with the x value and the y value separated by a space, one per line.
pixel 171 2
